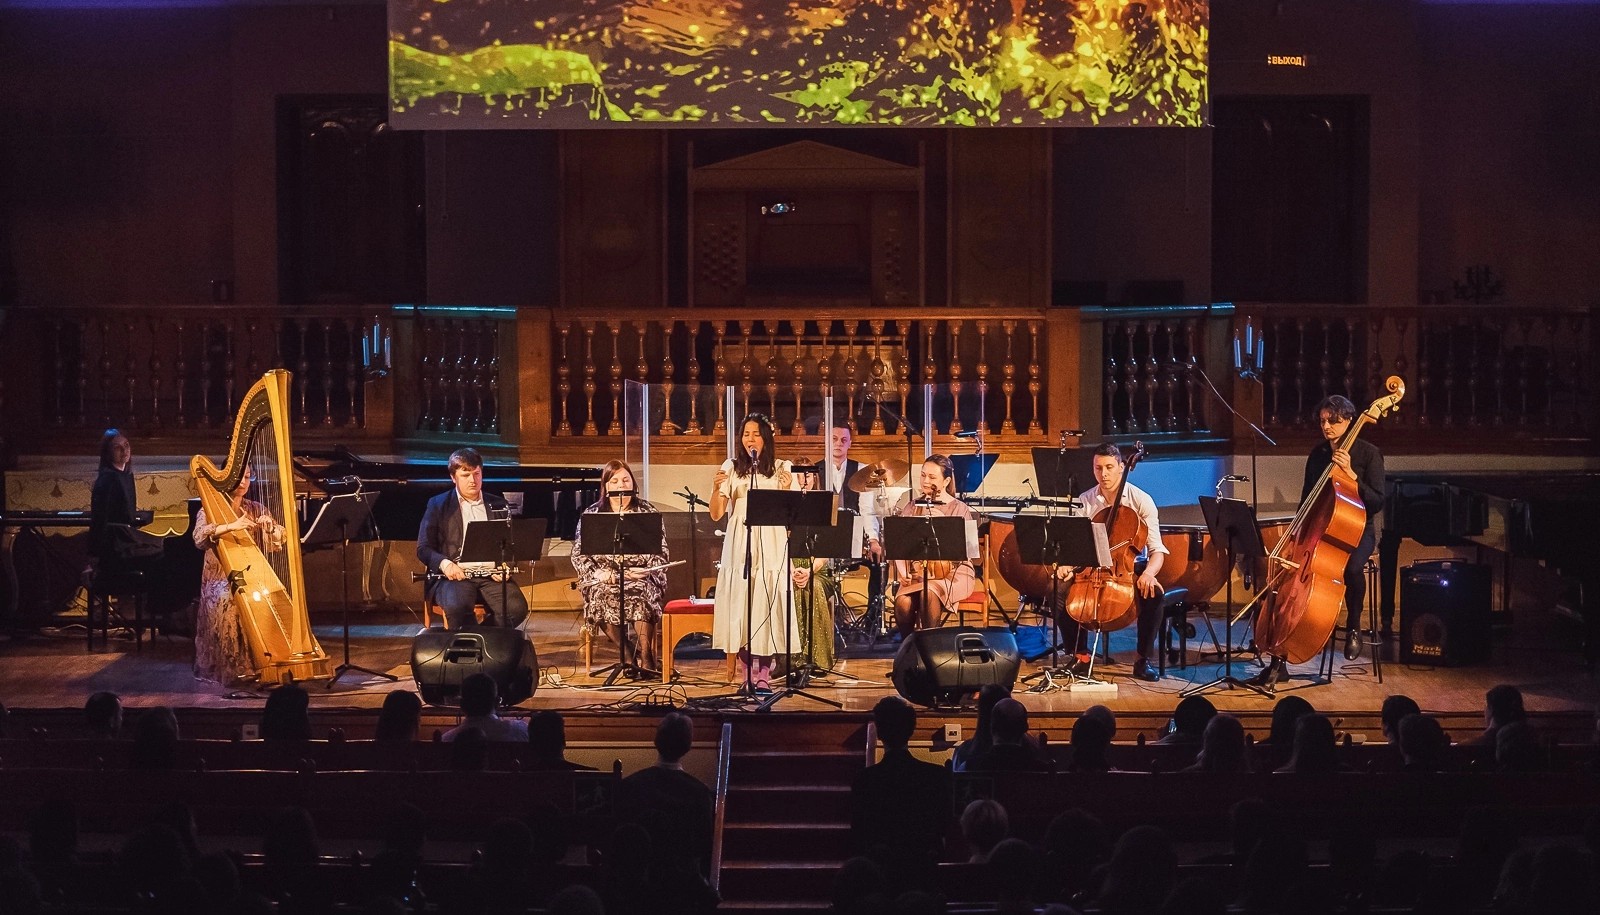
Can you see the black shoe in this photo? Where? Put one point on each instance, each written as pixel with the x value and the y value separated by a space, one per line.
pixel 1352 644
pixel 1143 671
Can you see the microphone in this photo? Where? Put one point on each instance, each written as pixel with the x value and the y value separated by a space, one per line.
pixel 970 433
pixel 1079 433
pixel 754 454
pixel 1235 478
pixel 1032 494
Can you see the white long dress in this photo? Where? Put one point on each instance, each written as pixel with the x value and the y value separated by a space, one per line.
pixel 768 571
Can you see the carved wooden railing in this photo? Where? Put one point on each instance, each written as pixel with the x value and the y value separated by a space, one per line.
pixel 176 372
pixel 1146 365
pixel 1479 372
pixel 457 380
pixel 995 368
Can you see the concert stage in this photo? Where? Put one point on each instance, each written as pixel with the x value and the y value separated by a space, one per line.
pixel 1540 655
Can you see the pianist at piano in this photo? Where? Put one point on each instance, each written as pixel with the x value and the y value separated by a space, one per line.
pixel 439 542
pixel 115 540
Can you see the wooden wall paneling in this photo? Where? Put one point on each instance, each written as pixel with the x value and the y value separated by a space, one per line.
pixel 999 217
pixel 612 217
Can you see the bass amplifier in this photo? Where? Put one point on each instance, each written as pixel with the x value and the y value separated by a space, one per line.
pixel 1444 613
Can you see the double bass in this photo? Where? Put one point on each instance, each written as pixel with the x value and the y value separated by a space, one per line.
pixel 1306 590
pixel 1104 599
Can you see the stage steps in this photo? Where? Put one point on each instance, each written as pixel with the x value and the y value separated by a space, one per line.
pixel 786 815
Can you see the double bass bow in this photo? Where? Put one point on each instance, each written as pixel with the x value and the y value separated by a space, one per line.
pixel 1103 599
pixel 1306 588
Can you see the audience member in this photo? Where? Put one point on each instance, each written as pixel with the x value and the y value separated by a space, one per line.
pixel 576 900
pixel 1106 717
pixel 674 807
pixel 625 871
pixel 102 716
pixel 859 888
pixel 1502 705
pixel 1315 751
pixel 503 884
pixel 1516 748
pixel 1286 713
pixel 1013 750
pixel 1091 743
pixel 1222 747
pixel 900 807
pixel 547 744
pixel 983 825
pixel 286 715
pixel 469 751
pixel 401 716
pixel 1195 896
pixel 1563 881
pixel 1141 873
pixel 1015 867
pixel 1275 875
pixel 480 698
pixel 1189 722
pixel 155 739
pixel 1076 845
pixel 982 739
pixel 1395 708
pixel 1423 744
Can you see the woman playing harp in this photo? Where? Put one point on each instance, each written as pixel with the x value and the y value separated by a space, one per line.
pixel 249 528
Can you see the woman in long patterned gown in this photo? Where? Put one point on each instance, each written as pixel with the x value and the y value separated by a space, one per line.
pixel 221 654
pixel 608 607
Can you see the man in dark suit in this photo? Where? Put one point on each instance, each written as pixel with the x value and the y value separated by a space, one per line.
pixel 901 806
pixel 444 529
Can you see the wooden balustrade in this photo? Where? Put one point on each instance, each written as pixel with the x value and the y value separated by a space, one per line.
pixel 1147 364
pixel 990 363
pixel 177 371
pixel 1478 372
pixel 548 386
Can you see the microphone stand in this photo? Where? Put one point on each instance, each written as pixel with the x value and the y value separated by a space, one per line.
pixel 1245 373
pixel 907 428
pixel 694 553
pixel 749 588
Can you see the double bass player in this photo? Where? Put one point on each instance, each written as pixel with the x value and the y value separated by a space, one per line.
pixel 1362 462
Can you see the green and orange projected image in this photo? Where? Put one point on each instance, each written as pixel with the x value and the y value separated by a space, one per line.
pixel 604 63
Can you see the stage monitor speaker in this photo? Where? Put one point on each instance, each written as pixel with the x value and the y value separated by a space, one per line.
pixel 442 658
pixel 1444 613
pixel 939 666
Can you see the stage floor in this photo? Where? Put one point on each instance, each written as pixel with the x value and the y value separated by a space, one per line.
pixel 1540 654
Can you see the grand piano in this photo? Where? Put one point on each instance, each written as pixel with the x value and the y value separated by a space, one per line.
pixel 1546 516
pixel 556 493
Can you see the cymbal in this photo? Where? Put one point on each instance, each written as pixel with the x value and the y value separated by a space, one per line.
pixel 881 473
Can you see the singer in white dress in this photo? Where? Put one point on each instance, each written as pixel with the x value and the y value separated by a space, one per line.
pixel 762 601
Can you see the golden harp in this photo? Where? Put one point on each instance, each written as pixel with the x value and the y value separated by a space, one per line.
pixel 265 578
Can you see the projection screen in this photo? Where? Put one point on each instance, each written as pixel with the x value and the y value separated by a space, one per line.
pixel 600 63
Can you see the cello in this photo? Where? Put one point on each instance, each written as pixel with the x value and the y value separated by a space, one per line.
pixel 1306 590
pixel 1103 599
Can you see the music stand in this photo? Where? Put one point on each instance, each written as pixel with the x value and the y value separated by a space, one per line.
pixel 342 520
pixel 504 542
pixel 1056 541
pixel 971 469
pixel 925 538
pixel 618 535
pixel 1063 472
pixel 1233 523
pixel 788 509
pixel 841 540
